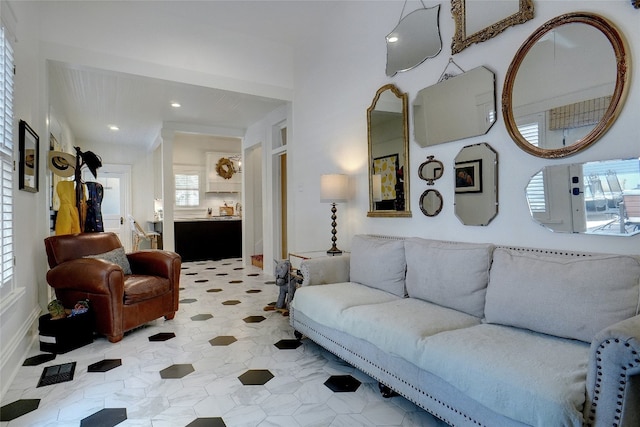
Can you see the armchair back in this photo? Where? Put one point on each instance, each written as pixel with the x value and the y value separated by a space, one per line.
pixel 73 246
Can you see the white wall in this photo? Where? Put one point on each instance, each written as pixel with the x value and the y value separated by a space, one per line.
pixel 336 79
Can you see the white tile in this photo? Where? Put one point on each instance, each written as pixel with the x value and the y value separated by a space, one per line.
pixel 295 397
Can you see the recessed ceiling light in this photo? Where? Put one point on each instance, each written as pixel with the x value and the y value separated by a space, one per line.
pixel 114 127
pixel 176 105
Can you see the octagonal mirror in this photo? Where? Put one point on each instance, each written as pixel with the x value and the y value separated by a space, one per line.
pixel 476 184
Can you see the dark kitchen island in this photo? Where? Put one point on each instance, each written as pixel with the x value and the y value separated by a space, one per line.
pixel 209 239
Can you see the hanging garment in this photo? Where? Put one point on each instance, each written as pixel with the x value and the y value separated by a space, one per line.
pixel 93 221
pixel 67 221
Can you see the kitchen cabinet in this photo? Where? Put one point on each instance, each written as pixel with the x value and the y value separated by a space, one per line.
pixel 215 182
pixel 208 239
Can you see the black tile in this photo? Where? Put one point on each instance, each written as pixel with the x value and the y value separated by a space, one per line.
pixel 270 282
pixel 342 383
pixel 214 290
pixel 235 282
pixel 200 317
pixel 104 365
pixel 18 408
pixel 288 344
pixel 201 280
pixel 162 336
pixel 39 359
pixel 207 422
pixel 211 268
pixel 253 274
pixel 254 319
pixel 256 377
pixel 222 340
pixel 191 274
pixel 188 300
pixel 107 417
pixel 222 274
pixel 57 374
pixel 254 291
pixel 231 302
pixel 239 268
pixel 177 371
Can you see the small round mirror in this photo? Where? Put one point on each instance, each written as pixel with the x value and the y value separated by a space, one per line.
pixel 431 202
pixel 430 170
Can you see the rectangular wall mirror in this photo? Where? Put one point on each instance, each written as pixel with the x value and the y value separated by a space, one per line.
pixel 480 20
pixel 459 107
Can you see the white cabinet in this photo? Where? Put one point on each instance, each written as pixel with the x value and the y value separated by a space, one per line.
pixel 219 165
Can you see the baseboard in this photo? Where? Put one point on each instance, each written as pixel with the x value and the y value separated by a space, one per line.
pixel 15 350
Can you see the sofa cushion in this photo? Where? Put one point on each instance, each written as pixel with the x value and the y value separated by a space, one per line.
pixel 398 327
pixel 450 274
pixel 116 256
pixel 378 263
pixel 533 378
pixel 569 297
pixel 325 303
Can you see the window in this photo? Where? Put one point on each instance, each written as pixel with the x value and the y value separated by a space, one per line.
pixel 6 159
pixel 187 189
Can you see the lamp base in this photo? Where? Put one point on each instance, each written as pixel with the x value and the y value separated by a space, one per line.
pixel 334 251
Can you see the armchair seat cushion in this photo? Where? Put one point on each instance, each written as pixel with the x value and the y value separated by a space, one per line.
pixel 140 288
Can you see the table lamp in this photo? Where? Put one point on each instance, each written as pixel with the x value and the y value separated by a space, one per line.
pixel 334 189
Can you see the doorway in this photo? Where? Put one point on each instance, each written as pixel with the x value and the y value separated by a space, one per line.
pixel 116 203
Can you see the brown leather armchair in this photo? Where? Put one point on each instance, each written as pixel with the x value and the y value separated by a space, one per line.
pixel 121 302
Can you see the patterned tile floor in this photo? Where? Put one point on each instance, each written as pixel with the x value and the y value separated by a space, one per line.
pixel 223 361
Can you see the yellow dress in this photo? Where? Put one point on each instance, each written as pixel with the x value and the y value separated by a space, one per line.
pixel 68 220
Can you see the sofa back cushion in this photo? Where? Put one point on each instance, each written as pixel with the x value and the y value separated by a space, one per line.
pixel 378 263
pixel 450 274
pixel 570 297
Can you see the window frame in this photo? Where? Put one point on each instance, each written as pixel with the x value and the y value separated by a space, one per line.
pixel 189 170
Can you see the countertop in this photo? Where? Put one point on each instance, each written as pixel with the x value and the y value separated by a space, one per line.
pixel 212 218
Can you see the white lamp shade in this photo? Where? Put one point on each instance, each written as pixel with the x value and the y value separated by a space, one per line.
pixel 377 187
pixel 334 188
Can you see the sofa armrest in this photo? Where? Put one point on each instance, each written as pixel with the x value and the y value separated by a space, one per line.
pixel 324 270
pixel 155 263
pixel 90 275
pixel 613 376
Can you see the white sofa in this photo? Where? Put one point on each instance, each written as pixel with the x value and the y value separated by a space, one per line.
pixel 483 335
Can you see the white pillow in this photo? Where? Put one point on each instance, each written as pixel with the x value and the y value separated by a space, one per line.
pixel 378 263
pixel 449 274
pixel 567 297
pixel 116 256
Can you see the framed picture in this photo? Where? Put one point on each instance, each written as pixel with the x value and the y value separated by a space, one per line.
pixel 469 176
pixel 28 170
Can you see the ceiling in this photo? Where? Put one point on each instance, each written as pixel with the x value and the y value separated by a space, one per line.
pixel 89 100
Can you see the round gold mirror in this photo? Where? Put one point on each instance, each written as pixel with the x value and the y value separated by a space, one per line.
pixel 566 85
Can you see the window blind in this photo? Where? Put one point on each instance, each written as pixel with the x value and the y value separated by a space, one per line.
pixel 6 159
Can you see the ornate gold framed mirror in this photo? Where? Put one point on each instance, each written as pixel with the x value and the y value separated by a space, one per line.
pixel 478 21
pixel 566 85
pixel 388 138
